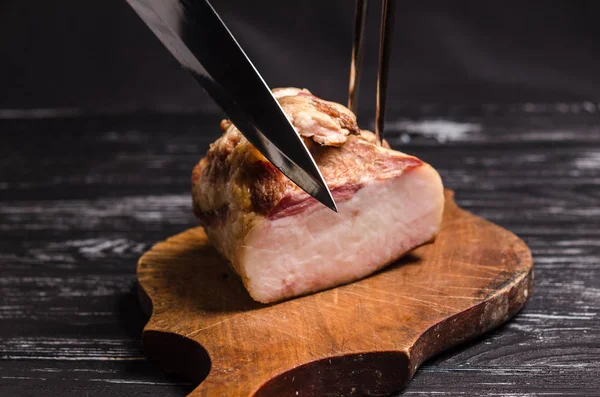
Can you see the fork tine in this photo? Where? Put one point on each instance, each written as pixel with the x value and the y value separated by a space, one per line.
pixel 360 16
pixel 385 48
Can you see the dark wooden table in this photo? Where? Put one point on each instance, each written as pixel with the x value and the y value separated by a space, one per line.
pixel 82 196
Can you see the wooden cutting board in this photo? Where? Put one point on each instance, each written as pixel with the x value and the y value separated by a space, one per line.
pixel 363 339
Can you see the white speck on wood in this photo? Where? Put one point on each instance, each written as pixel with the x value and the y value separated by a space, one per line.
pixel 588 161
pixel 441 130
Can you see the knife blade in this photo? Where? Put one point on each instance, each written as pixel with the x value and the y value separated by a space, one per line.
pixel 196 36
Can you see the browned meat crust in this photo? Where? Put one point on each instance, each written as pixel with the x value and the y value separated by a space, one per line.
pixel 234 176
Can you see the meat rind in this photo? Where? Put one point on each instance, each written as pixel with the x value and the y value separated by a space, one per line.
pixel 282 242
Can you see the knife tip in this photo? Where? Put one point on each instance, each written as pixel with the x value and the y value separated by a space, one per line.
pixel 325 197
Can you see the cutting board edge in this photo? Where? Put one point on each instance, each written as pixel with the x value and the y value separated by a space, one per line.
pixel 191 351
pixel 419 354
pixel 521 285
pixel 490 319
pixel 416 355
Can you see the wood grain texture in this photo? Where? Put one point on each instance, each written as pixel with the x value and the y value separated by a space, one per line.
pixel 81 198
pixel 364 338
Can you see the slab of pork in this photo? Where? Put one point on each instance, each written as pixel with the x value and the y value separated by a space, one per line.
pixel 282 242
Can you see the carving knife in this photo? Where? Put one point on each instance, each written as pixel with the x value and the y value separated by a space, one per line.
pixel 196 36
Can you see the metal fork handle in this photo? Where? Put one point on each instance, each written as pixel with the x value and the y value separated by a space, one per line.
pixel 385 48
pixel 360 16
pixel 388 12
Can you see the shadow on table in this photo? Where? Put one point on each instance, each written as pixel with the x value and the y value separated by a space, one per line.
pixel 132 320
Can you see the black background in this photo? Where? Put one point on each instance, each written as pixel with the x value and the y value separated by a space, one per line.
pixel 73 53
pixel 86 189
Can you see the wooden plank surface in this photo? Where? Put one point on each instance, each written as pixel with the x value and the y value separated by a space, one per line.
pixel 82 197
